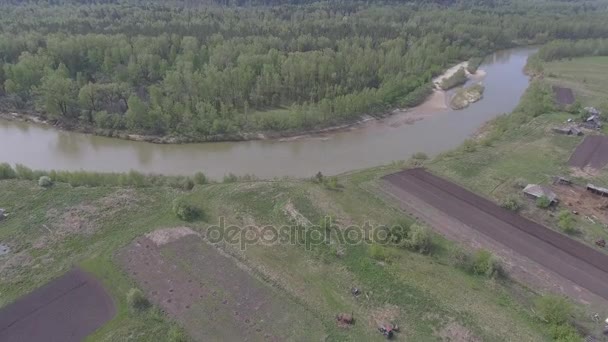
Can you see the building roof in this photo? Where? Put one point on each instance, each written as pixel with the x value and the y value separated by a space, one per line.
pixel 597 188
pixel 540 191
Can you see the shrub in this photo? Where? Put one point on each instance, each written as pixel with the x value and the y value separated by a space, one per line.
pixel 398 233
pixel 420 156
pixel 319 177
pixel 511 203
pixel 7 172
pixel 564 333
pixel 553 309
pixel 24 172
pixel 200 178
pixel 543 202
pixel 484 263
pixel 332 183
pixel 230 178
pixel 419 239
pixel 566 222
pixel 137 301
pixel 461 259
pixel 187 184
pixel 184 210
pixel 45 181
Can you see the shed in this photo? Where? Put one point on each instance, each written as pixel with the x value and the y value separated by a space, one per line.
pixel 538 191
pixel 561 180
pixel 570 130
pixel 597 190
pixel 593 122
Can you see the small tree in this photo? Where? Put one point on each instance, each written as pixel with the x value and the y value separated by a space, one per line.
pixel 419 239
pixel 45 182
pixel 187 184
pixel 484 263
pixel 184 210
pixel 137 301
pixel 200 178
pixel 511 203
pixel 543 202
pixel 566 222
pixel 553 309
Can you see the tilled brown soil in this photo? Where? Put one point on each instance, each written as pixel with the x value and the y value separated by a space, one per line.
pixel 66 309
pixel 592 152
pixel 210 294
pixel 563 96
pixel 568 258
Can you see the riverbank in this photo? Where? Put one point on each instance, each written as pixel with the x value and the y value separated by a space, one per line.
pixel 428 128
pixel 436 101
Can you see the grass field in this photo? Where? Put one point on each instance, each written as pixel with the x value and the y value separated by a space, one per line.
pixel 50 230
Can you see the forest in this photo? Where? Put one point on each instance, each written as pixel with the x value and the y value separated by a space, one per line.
pixel 221 69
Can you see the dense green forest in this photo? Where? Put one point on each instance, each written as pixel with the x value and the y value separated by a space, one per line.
pixel 217 69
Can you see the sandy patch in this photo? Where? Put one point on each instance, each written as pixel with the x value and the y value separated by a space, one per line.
pixel 162 237
pixel 450 72
pixel 434 104
pixel 295 215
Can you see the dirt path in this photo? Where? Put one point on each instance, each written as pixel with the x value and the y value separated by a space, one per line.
pixel 66 309
pixel 533 253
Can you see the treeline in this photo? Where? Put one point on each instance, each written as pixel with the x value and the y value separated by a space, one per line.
pixel 560 49
pixel 180 68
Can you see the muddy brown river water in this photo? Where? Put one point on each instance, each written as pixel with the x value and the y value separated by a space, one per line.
pixel 373 143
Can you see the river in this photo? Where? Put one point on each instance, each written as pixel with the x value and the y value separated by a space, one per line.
pixel 373 143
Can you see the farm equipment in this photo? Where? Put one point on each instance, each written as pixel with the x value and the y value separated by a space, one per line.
pixel 345 319
pixel 388 330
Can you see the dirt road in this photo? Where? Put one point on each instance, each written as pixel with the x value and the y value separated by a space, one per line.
pixel 66 309
pixel 567 258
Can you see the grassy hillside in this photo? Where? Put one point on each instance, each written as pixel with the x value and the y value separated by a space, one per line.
pixel 49 230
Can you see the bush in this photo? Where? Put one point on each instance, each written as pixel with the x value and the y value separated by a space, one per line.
pixel 553 309
pixel 185 211
pixel 137 301
pixel 45 181
pixel 511 203
pixel 187 184
pixel 6 171
pixel 230 178
pixel 564 333
pixel 484 263
pixel 24 172
pixel 398 233
pixel 543 202
pixel 200 178
pixel 566 222
pixel 420 156
pixel 419 239
pixel 461 259
pixel 332 183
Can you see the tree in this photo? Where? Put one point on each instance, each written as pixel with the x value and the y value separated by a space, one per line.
pixel 58 93
pixel 88 99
